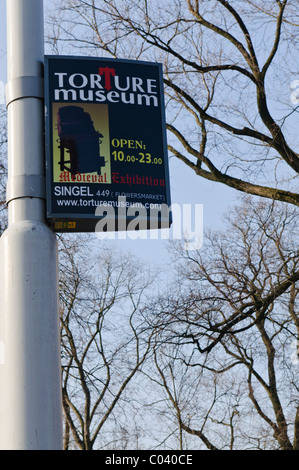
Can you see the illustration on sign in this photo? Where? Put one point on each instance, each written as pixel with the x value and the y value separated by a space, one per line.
pixel 105 142
pixel 77 153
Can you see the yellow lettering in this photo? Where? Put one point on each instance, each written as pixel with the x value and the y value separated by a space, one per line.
pixel 131 144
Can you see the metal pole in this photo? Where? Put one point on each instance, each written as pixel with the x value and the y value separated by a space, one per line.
pixel 30 386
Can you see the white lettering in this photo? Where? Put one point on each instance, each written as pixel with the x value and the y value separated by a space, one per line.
pixel 136 84
pixel 72 191
pixel 65 94
pixel 73 77
pixel 113 96
pixel 147 99
pixel 100 96
pixel 151 85
pixel 116 83
pixel 88 88
pixel 95 80
pixel 82 96
pixel 131 99
pixel 57 190
pixel 60 78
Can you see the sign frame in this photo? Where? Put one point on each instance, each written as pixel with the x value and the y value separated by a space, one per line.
pixel 137 177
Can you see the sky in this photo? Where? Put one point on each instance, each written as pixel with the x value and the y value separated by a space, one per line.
pixel 186 188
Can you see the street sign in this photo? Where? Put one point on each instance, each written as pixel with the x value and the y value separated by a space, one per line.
pixel 106 151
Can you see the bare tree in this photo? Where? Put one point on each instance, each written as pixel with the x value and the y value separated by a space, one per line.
pixel 228 70
pixel 233 321
pixel 103 343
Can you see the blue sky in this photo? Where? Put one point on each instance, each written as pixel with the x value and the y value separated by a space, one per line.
pixel 186 187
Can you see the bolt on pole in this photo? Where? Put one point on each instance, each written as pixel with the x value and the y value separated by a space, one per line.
pixel 30 384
